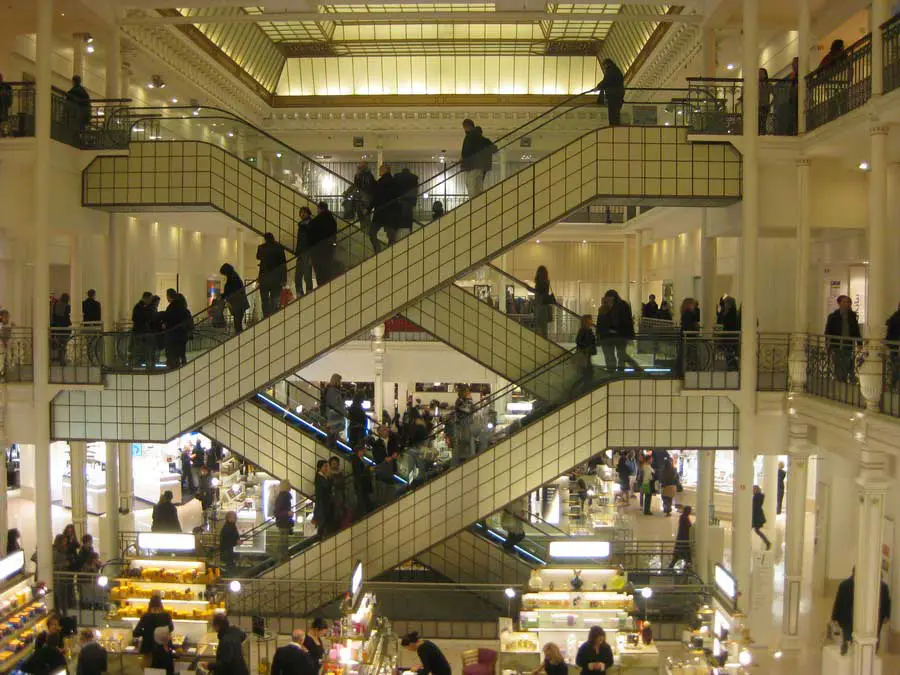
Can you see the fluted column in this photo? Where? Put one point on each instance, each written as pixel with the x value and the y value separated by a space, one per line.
pixel 706 460
pixel 378 351
pixel 804 38
pixel 110 539
pixel 797 353
pixel 78 480
pixel 795 532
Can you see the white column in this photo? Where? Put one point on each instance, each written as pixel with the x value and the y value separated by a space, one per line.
pixel 41 289
pixel 743 460
pixel 378 350
pixel 77 464
pixel 872 490
pixel 770 490
pixel 78 54
pixel 878 15
pixel 638 271
pixel 804 238
pixel 626 268
pixel 876 307
pixel 804 39
pixel 126 478
pixel 704 511
pixel 708 254
pixel 76 286
pixel 110 538
pixel 795 531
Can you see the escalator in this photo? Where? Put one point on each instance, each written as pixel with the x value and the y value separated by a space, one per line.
pixel 601 162
pixel 561 430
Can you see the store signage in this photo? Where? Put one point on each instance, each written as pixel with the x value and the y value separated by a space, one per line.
pixel 579 549
pixel 12 565
pixel 725 583
pixel 165 541
pixel 356 581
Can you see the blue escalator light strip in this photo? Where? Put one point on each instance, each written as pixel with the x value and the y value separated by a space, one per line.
pixel 518 548
pixel 306 425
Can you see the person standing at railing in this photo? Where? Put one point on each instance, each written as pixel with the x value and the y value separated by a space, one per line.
pixel 303 272
pixel 476 157
pixel 611 90
pixel 60 328
pixel 665 312
pixel 834 55
pixel 177 324
pixel 683 539
pixel 765 100
pixel 78 102
pixel 235 295
pixel 90 309
pixel 650 310
pixel 842 334
pixel 272 272
pixel 786 102
pixel 730 318
pixel 142 324
pixel 543 305
pixel 618 326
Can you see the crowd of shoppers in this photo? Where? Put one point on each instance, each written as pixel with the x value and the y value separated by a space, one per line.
pixel 154 330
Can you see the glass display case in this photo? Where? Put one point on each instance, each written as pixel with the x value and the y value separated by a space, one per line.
pixel 23 612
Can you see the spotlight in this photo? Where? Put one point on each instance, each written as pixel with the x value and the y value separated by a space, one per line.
pixel 863 166
pixel 103 581
pixel 174 100
pixel 730 66
pixel 234 586
pixel 510 593
pixel 278 155
pixel 646 592
pixel 89 49
pixel 745 658
pixel 230 134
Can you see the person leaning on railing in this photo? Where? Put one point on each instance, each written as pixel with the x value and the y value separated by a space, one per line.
pixel 892 337
pixel 842 333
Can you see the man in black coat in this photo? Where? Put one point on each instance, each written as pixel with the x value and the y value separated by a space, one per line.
pixel 272 273
pixel 620 324
pixel 92 659
pixel 362 480
pixel 842 331
pixel 229 655
pixel 386 206
pixel 177 322
pixel 293 658
pixel 842 611
pixel 407 185
pixel 321 238
pixel 476 157
pixel 650 310
pixel 612 88
pixel 90 308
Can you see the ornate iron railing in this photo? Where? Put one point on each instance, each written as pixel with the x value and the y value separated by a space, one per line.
pixel 841 86
pixel 891 36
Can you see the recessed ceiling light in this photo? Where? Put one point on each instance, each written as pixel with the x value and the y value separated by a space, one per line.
pixel 174 100
pixel 278 155
pixel 230 134
pixel 863 166
pixel 584 241
pixel 537 241
pixel 730 66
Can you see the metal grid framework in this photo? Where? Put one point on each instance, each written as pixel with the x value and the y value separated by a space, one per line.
pixel 623 162
pixel 534 456
pixel 466 558
pixel 244 43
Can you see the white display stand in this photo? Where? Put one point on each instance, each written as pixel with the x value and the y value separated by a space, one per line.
pixel 149 485
pixel 96 497
pixel 835 664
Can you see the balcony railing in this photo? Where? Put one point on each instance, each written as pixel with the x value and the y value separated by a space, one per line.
pixel 832 368
pixel 16 109
pixel 891 36
pixel 841 86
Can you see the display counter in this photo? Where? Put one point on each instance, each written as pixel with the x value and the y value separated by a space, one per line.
pixel 149 485
pixel 23 613
pixel 122 647
pixel 96 496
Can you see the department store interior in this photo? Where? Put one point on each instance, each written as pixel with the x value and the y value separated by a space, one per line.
pixel 477 326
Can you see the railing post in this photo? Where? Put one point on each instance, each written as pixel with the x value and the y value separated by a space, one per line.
pixel 871 373
pixel 797 361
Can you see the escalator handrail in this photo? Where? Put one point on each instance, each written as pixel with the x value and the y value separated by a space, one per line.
pixel 530 289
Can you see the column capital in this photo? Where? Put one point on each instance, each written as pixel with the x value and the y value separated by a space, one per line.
pixel 878 128
pixel 803 162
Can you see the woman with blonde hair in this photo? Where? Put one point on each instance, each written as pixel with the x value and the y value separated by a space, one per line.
pixel 553 663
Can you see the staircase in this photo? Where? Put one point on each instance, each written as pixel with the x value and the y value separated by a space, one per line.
pixel 650 164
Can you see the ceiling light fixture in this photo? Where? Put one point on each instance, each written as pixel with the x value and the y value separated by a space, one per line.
pixel 730 66
pixel 278 155
pixel 864 166
pixel 174 100
pixel 156 82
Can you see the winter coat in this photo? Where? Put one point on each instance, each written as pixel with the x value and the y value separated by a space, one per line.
pixel 477 151
pixel 833 324
pixel 272 262
pixel 759 516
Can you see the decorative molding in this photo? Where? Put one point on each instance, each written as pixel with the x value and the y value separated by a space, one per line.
pixel 178 52
pixel 419 100
pixel 675 50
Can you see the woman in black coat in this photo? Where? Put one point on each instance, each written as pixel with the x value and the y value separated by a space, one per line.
pixel 759 516
pixel 228 539
pixel 235 295
pixel 433 660
pixel 595 654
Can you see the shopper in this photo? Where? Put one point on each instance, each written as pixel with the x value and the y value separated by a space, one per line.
pixel 650 310
pixel 153 618
pixel 341 514
pixel 85 555
pixel 322 240
pixel 235 295
pixel 386 207
pixel 585 350
pixel 13 541
pixel 758 516
pixel 162 656
pixel 177 324
pixel 6 101
pixel 665 312
pixel 512 520
pixel 323 512
pixel 90 309
pixel 594 654
pixel 72 544
pixel 63 587
pixel 188 484
pixel 272 272
pixel 612 91
pixel 645 474
pixel 293 658
pixel 623 471
pixel 362 193
pixel 334 412
pixel 477 157
pixel 60 328
pixel 543 301
pixel 553 663
pixel 92 658
pixel 362 481
pixel 668 481
pixel 358 420
pixel 229 654
pixel 463 437
pixel 165 515
pixel 782 474
pixel 842 335
pixel 842 611
pixel 229 537
pixel 303 271
pixel 432 658
pixel 314 644
pixel 49 655
pixel 834 55
pixel 407 186
pixel 78 108
pixel 284 512
pixel 765 100
pixel 683 539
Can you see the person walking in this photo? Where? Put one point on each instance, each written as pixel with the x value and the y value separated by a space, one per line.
pixel 322 239
pixel 611 90
pixel 362 193
pixel 842 610
pixel 645 474
pixel 303 271
pixel 90 309
pixel 322 510
pixel 842 335
pixel 229 653
pixel 165 515
pixel 668 481
pixel 293 658
pixel 431 657
pixel 623 471
pixel 407 187
pixel 782 474
pixel 595 653
pixel 543 301
pixel 476 157
pixel 235 295
pixel 386 208
pixel 229 537
pixel 362 480
pixel 758 516
pixel 683 539
pixel 272 273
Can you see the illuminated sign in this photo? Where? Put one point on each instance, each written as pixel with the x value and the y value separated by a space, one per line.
pixel 356 581
pixel 12 565
pixel 725 583
pixel 579 549
pixel 165 541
